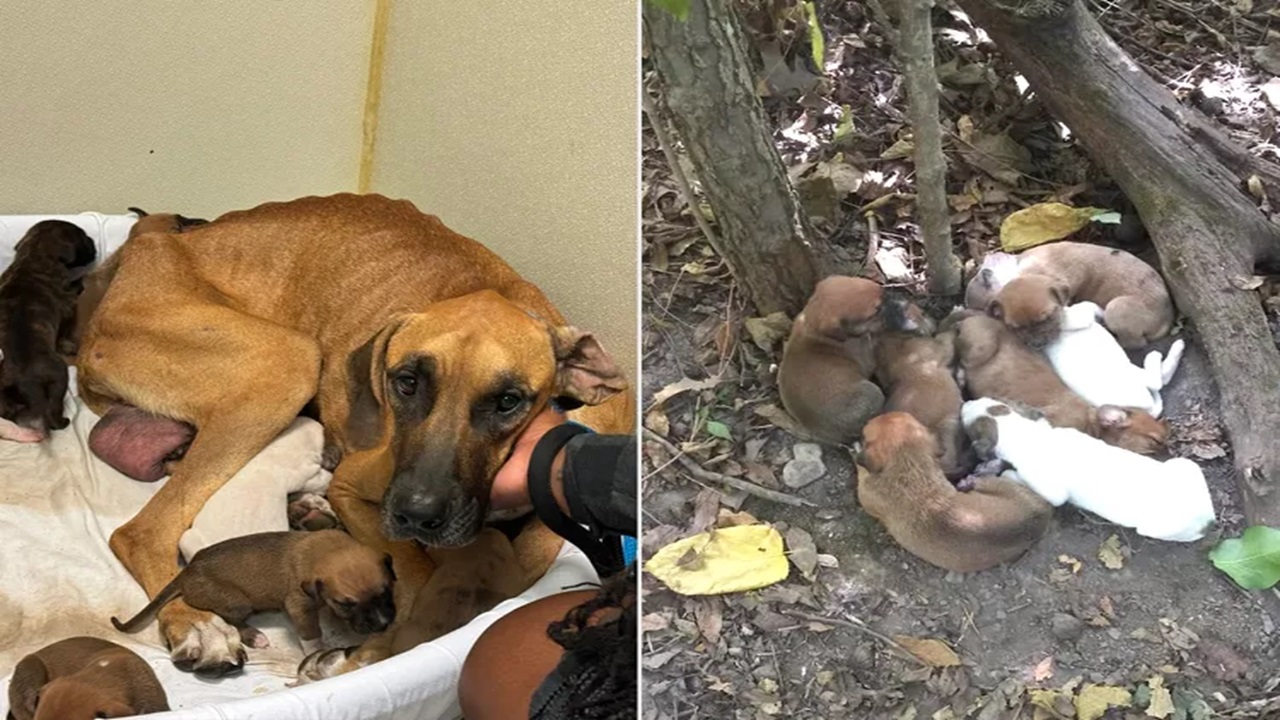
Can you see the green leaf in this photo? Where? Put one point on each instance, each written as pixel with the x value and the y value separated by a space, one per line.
pixel 845 127
pixel 1252 560
pixel 678 8
pixel 719 429
pixel 816 42
pixel 1107 218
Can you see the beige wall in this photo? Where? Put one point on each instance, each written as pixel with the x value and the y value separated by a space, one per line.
pixel 198 107
pixel 515 121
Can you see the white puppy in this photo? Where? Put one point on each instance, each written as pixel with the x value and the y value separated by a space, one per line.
pixel 1091 362
pixel 1163 500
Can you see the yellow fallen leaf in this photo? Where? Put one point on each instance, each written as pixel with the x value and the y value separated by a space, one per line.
pixel 1071 562
pixel 1093 700
pixel 1041 223
pixel 733 559
pixel 934 653
pixel 1043 698
pixel 1161 705
pixel 1110 553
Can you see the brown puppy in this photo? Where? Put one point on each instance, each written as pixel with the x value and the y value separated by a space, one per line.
pixel 37 311
pixel 424 353
pixel 81 678
pixel 1136 304
pixel 997 364
pixel 825 374
pixel 297 572
pixel 915 371
pixel 960 531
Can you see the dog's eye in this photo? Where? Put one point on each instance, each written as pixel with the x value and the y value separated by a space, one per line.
pixel 508 402
pixel 405 384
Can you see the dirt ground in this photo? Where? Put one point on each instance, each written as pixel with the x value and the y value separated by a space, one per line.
pixel 1059 616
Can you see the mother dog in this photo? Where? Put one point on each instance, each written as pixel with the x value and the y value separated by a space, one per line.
pixel 423 352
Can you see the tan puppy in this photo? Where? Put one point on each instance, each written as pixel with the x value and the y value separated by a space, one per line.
pixel 297 572
pixel 997 364
pixel 915 371
pixel 82 678
pixel 424 354
pixel 1132 294
pixel 825 375
pixel 960 531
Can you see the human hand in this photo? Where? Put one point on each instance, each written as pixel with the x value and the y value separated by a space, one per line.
pixel 511 484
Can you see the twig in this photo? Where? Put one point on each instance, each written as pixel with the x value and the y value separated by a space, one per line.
pixel 855 625
pixel 677 171
pixel 873 240
pixel 711 476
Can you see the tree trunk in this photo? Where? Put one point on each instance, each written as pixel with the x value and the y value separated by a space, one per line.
pixel 764 233
pixel 915 52
pixel 1173 166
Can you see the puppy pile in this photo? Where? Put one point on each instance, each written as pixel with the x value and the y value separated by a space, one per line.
pixel 1040 352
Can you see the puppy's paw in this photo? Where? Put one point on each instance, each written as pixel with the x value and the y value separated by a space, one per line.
pixel 325 664
pixel 253 637
pixel 201 642
pixel 309 511
pixel 966 483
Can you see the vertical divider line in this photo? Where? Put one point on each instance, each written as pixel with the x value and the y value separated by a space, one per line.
pixel 373 93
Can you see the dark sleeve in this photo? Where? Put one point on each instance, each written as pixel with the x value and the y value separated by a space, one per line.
pixel 600 482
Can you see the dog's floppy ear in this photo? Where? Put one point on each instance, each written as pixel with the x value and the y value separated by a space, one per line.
pixel 366 371
pixel 1111 416
pixel 29 677
pixel 995 309
pixel 1061 292
pixel 586 374
pixel 313 588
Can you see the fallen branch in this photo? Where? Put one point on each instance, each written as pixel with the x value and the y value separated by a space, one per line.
pixel 855 625
pixel 711 476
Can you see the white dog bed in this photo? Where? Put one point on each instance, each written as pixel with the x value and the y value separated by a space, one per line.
pixel 58 506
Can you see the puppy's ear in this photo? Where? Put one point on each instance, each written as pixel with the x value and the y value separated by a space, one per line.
pixel 366 387
pixel 995 309
pixel 29 678
pixel 586 374
pixel 313 588
pixel 1061 293
pixel 1110 416
pixel 386 562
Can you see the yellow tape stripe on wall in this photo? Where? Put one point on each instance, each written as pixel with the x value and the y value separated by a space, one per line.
pixel 373 93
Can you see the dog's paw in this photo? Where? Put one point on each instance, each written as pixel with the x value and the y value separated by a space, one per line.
pixel 325 664
pixel 309 511
pixel 966 483
pixel 201 642
pixel 330 457
pixel 253 637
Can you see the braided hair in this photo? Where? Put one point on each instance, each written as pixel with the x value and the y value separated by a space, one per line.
pixel 596 677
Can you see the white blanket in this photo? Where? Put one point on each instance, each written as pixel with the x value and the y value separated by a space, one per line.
pixel 58 578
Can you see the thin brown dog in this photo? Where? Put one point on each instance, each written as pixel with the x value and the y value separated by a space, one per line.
pixel 997 364
pixel 995 522
pixel 915 371
pixel 81 678
pixel 37 312
pixel 425 354
pixel 825 374
pixel 297 572
pixel 1136 304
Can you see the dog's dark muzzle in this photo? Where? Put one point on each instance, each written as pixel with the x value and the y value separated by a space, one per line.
pixel 436 514
pixel 376 615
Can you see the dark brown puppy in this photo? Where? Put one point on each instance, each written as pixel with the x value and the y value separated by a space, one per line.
pixel 1136 304
pixel 904 489
pixel 37 312
pixel 826 369
pixel 297 572
pixel 997 364
pixel 915 371
pixel 81 678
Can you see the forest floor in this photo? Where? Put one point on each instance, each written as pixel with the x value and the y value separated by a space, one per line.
pixel 1156 618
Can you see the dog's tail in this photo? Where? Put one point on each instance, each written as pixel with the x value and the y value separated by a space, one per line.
pixel 144 617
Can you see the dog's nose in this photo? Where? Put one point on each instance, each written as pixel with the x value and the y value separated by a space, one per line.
pixel 426 513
